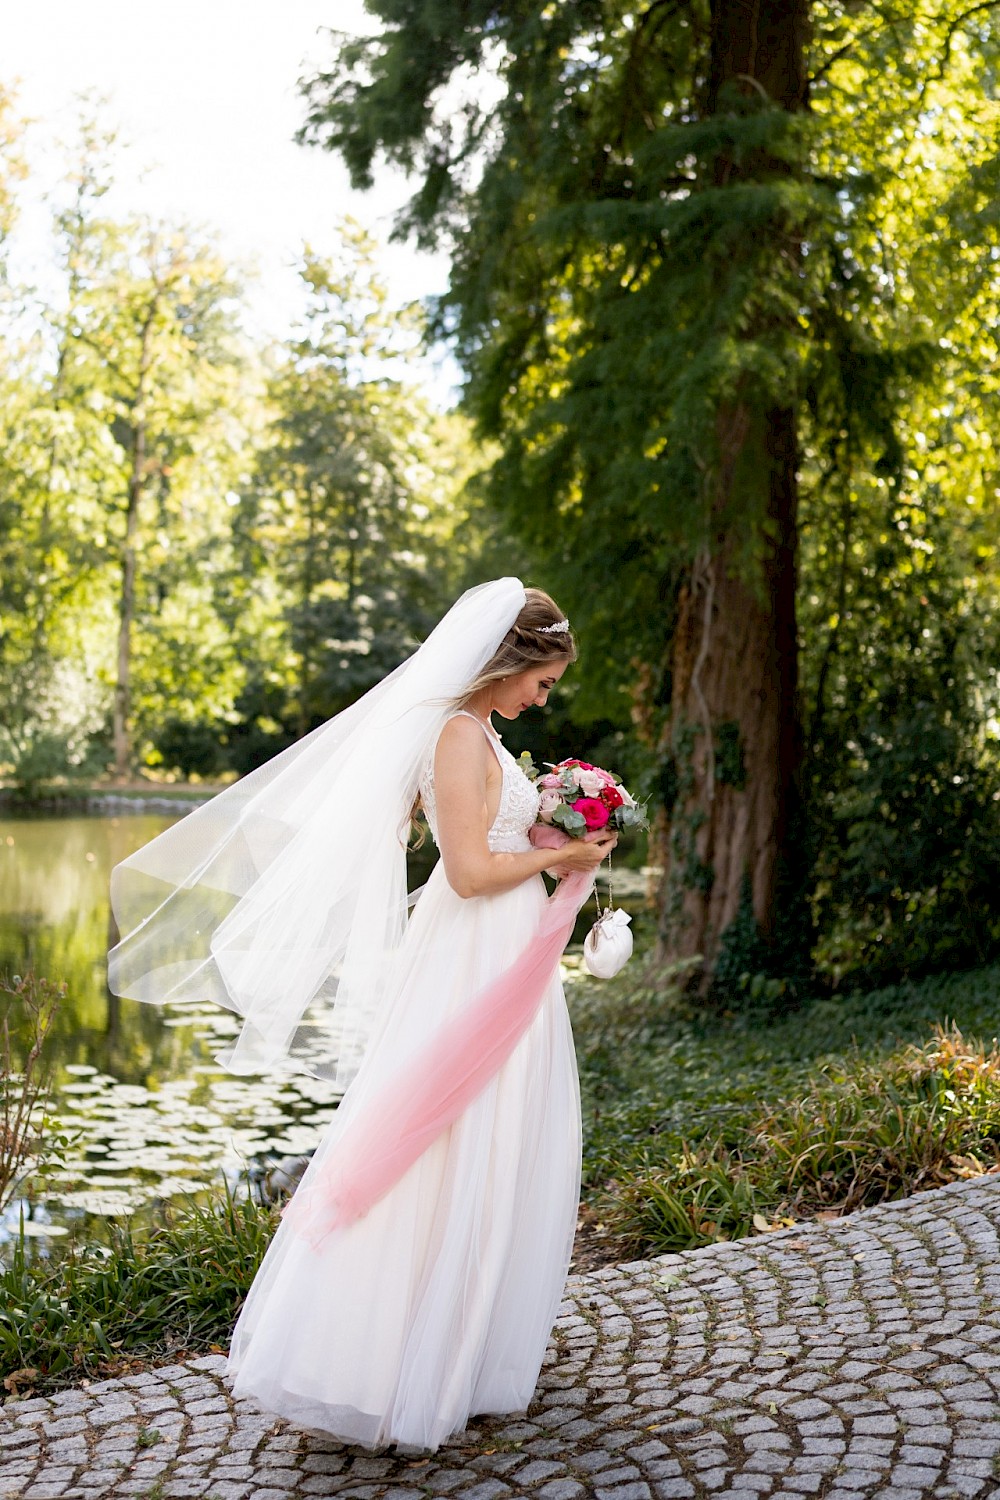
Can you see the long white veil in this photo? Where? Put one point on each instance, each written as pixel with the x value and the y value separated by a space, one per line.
pixel 283 898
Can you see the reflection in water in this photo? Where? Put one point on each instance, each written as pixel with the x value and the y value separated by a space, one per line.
pixel 55 918
pixel 152 1113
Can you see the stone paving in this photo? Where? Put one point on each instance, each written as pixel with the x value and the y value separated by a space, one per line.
pixel 859 1357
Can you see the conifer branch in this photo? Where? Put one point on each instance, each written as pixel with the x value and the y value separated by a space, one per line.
pixel 653 17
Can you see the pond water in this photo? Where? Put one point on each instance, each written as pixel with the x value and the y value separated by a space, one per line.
pixel 152 1114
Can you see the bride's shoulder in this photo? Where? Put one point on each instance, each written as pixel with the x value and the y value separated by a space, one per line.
pixel 461 738
pixel 461 731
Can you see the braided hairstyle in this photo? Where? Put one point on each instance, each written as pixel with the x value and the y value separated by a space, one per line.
pixel 525 645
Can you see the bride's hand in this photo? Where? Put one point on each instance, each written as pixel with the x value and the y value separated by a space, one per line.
pixel 583 854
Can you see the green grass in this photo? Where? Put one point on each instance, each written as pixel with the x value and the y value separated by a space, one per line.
pixel 695 1124
pixel 177 1290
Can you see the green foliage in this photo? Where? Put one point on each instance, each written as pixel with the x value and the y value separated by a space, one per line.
pixel 861 1135
pixel 353 507
pixel 899 516
pixel 189 748
pixel 905 780
pixel 27 1140
pixel 692 1124
pixel 743 955
pixel 569 819
pixel 908 879
pixel 118 446
pixel 176 1291
pixel 631 259
pixel 625 266
pixel 296 515
pixel 55 723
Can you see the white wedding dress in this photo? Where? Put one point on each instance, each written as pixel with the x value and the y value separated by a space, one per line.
pixel 437 1304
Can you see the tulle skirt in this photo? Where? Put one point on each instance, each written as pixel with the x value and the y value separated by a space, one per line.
pixel 438 1303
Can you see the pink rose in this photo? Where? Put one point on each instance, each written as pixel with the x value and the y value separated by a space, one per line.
pixel 595 814
pixel 590 783
pixel 547 804
pixel 550 779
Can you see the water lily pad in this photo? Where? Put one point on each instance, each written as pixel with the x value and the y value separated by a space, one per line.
pixel 105 1204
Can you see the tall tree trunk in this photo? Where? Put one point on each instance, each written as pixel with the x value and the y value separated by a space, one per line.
pixel 733 736
pixel 126 603
pixel 307 634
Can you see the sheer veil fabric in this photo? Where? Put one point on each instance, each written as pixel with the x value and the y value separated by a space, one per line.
pixel 284 898
pixel 437 1301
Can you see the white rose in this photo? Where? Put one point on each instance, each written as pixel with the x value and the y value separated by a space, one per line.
pixel 627 801
pixel 590 783
pixel 547 804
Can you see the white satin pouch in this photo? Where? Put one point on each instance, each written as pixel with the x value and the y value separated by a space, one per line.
pixel 607 947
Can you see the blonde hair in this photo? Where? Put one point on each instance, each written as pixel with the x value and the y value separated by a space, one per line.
pixel 525 645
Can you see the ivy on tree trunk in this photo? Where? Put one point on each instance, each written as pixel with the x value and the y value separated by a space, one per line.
pixel 734 652
pixel 734 724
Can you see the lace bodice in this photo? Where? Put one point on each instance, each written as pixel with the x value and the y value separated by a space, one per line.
pixel 518 807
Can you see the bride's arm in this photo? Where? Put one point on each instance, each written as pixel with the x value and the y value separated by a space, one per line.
pixel 461 764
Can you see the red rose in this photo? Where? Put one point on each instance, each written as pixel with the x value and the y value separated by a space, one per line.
pixel 595 814
pixel 612 797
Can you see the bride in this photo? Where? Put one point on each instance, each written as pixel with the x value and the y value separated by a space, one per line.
pixel 416 1273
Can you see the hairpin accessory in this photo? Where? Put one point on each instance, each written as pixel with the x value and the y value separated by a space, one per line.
pixel 561 627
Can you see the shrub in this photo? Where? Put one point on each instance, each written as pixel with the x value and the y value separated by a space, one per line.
pixel 909 861
pixel 27 1009
pixel 860 1133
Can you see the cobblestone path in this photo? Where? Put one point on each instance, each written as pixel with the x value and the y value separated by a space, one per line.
pixel 853 1358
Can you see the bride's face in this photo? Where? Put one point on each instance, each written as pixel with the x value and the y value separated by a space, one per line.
pixel 514 694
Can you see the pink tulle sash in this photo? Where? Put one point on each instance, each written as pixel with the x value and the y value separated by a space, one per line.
pixel 407 1113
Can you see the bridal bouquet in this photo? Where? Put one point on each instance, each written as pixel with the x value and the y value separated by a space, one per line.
pixel 581 801
pixel 577 799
